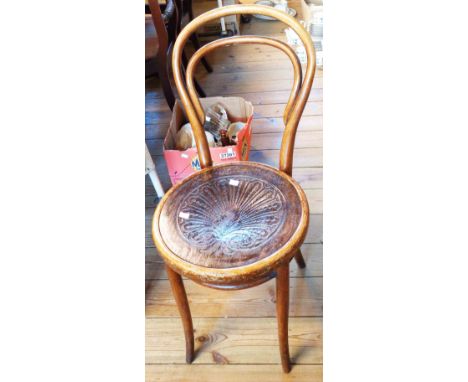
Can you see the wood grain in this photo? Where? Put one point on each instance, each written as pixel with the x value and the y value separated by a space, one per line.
pixel 313 256
pixel 308 157
pixel 230 216
pixel 282 314
pixel 239 40
pixel 303 158
pixel 259 301
pixel 307 170
pixel 311 139
pixel 274 97
pixel 259 141
pixel 231 373
pixel 314 233
pixel 259 125
pixel 154 100
pixel 245 86
pixel 314 197
pixel 237 340
pixel 180 297
pixel 307 177
pixel 277 110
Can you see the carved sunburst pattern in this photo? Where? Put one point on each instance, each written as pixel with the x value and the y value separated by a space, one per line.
pixel 230 214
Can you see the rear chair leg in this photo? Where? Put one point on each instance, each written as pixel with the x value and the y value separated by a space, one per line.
pixel 300 259
pixel 282 312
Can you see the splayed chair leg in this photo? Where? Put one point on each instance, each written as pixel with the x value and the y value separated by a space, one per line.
pixel 282 312
pixel 300 259
pixel 180 296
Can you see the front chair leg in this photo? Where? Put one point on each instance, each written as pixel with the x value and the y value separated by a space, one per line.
pixel 300 259
pixel 282 312
pixel 180 296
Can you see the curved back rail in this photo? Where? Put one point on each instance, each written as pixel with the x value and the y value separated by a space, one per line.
pixel 295 112
pixel 199 54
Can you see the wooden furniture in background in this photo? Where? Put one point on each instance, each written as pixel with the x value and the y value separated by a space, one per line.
pixel 187 9
pixel 156 50
pixel 161 31
pixel 237 225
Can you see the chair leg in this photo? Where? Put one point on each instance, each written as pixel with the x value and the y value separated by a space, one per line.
pixel 282 312
pixel 180 296
pixel 164 78
pixel 189 9
pixel 300 259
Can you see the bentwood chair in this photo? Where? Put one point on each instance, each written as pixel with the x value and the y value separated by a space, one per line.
pixel 236 225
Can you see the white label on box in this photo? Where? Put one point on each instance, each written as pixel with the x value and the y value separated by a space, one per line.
pixel 228 155
pixel 184 215
pixel 233 182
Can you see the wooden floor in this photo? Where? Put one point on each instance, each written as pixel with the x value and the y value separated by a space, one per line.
pixel 235 332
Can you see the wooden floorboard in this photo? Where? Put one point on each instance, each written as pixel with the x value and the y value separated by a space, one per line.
pixel 307 177
pixel 236 331
pixel 262 141
pixel 259 125
pixel 231 373
pixel 233 340
pixel 305 300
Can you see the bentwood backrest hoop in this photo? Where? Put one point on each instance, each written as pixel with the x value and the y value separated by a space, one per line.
pixel 200 53
pixel 295 112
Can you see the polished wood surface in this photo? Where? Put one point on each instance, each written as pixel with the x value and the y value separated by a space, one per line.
pixel 236 266
pixel 236 332
pixel 180 297
pixel 231 216
pixel 282 312
pixel 198 55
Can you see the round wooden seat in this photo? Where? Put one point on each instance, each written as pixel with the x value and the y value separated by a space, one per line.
pixel 231 221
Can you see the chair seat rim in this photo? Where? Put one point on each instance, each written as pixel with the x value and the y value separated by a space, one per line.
pixel 243 273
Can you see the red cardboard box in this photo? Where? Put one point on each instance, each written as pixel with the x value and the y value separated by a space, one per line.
pixel 181 164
